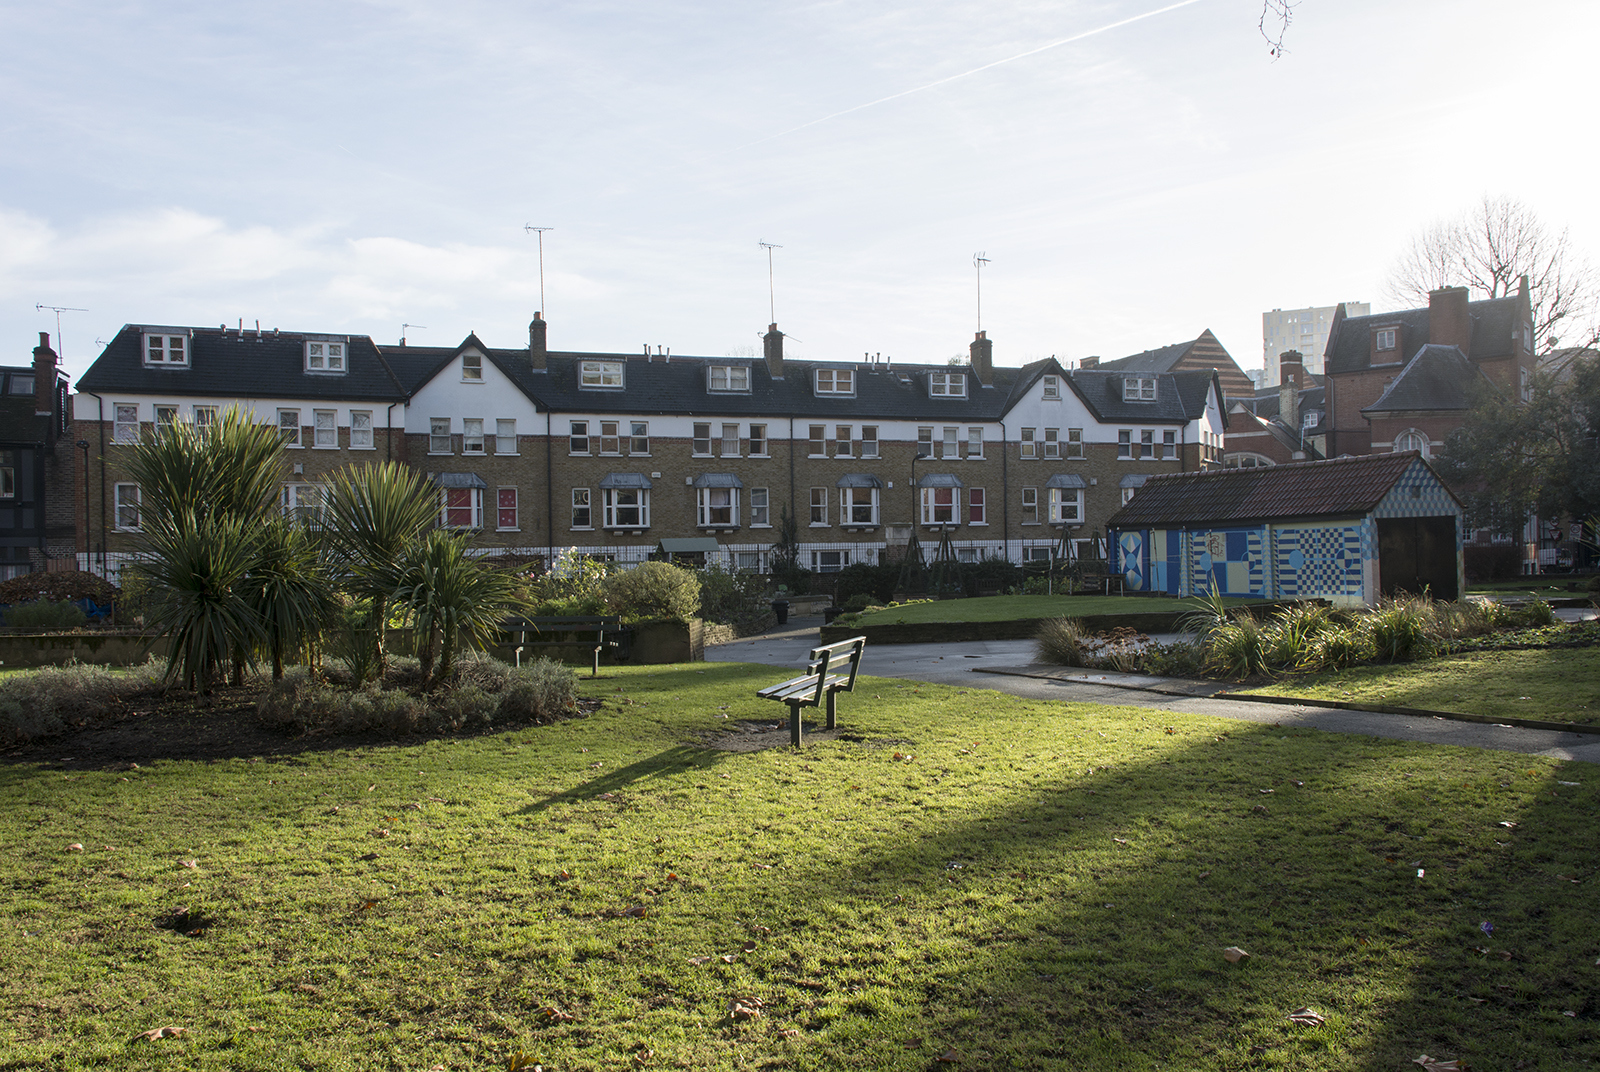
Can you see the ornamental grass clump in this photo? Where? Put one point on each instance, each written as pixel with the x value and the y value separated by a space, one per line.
pixel 1062 641
pixel 38 703
pixel 1398 631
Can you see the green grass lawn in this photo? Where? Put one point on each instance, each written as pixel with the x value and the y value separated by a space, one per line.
pixel 1013 608
pixel 1014 884
pixel 1557 684
pixel 1532 587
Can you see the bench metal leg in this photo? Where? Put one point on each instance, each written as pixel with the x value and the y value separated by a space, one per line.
pixel 833 709
pixel 794 725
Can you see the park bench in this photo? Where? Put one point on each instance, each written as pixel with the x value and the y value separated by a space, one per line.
pixel 565 631
pixel 824 677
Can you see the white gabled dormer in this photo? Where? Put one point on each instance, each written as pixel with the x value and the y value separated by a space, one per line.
pixel 947 384
pixel 167 347
pixel 597 375
pixel 1139 388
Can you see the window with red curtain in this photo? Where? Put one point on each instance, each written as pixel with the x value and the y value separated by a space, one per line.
pixel 506 507
pixel 975 506
pixel 458 512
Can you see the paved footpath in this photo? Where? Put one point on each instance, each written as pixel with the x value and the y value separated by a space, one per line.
pixel 1008 666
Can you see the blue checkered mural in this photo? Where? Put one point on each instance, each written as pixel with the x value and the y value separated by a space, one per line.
pixel 1326 561
pixel 1228 561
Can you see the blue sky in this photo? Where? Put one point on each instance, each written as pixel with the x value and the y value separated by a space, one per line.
pixel 349 167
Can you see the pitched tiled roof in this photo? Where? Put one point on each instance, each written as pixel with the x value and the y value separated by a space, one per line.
pixel 1350 342
pixel 226 363
pixel 1438 378
pixel 1340 487
pixel 1180 396
pixel 1202 352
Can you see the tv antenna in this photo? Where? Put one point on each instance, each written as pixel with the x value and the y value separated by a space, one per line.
pixel 540 232
pixel 403 328
pixel 772 301
pixel 40 307
pixel 978 261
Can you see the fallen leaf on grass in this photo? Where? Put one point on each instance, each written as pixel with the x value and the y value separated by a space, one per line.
pixel 789 1032
pixel 380 832
pixel 369 856
pixel 366 905
pixel 748 947
pixel 1120 840
pixel 644 1055
pixel 637 911
pixel 555 1015
pixel 1234 955
pixel 193 864
pixel 728 958
pixel 1435 1065
pixel 700 960
pixel 912 1043
pixel 75 847
pixel 162 1032
pixel 948 1057
pixel 745 1008
pixel 1309 1017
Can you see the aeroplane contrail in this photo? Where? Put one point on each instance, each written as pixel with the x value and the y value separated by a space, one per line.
pixel 977 70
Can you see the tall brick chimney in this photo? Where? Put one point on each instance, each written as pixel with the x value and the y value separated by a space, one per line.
pixel 1092 361
pixel 1449 323
pixel 982 350
pixel 1291 377
pixel 537 349
pixel 772 348
pixel 44 385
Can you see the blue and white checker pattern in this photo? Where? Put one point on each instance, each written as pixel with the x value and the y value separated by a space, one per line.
pixel 1240 569
pixel 1323 561
pixel 1418 493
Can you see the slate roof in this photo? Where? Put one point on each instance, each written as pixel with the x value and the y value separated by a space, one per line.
pixel 1437 378
pixel 1180 396
pixel 1341 487
pixel 227 363
pixel 1350 341
pixel 1161 359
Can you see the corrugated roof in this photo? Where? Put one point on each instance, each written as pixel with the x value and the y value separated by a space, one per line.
pixel 1340 487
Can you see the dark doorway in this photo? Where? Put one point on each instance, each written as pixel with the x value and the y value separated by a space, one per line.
pixel 1417 554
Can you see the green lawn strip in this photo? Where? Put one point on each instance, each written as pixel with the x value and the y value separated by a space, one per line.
pixel 1553 685
pixel 1013 608
pixel 1033 885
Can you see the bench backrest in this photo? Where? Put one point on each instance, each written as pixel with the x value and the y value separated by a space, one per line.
pixel 829 656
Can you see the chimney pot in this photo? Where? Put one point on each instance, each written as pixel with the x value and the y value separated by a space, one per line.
pixel 772 349
pixel 537 347
pixel 982 353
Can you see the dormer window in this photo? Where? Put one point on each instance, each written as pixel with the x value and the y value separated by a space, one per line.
pixel 1139 389
pixel 600 374
pixel 1052 387
pixel 1309 419
pixel 166 351
pixel 325 355
pixel 728 378
pixel 1385 339
pixel 472 368
pixel 836 381
pixel 947 385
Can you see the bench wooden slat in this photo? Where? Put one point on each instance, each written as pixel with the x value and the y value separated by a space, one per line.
pixel 808 689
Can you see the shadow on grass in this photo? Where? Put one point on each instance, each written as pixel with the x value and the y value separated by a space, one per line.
pixel 1304 865
pixel 671 761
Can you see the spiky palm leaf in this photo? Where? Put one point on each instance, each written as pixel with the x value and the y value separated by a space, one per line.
pixel 452 598
pixel 290 590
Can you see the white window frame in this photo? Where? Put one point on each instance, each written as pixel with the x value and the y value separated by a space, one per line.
pixel 1413 439
pixel 500 508
pixel 600 375
pixel 325 429
pixel 830 561
pixel 732 379
pixel 1124 444
pixel 730 440
pixel 817 441
pixel 1147 444
pixel 1139 389
pixel 472 441
pixel 1027 443
pixel 760 509
pixel 947 385
pixel 1061 499
pixel 1385 339
pixel 440 440
pixel 127 497
pixel 613 503
pixel 950 443
pixel 303 501
pixel 977 507
pixel 925 442
pixel 505 436
pixel 819 508
pixel 576 431
pixel 834 381
pixel 1074 443
pixel 869 441
pixel 205 416
pixel 473 506
pixel 639 439
pixel 582 502
pixel 932 507
pixel 471 368
pixel 168 415
pixel 716 507
pixel 1052 443
pixel 328 356
pixel 758 441
pixel 700 442
pixel 290 433
pixel 975 443
pixel 160 348
pixel 125 422
pixel 1169 444
pixel 610 439
pixel 855 512
pixel 841 440
pixel 361 430
pixel 1051 388
pixel 1030 506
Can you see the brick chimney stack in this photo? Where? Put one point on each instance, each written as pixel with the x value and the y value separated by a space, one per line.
pixel 772 348
pixel 1449 323
pixel 44 384
pixel 537 349
pixel 982 350
pixel 1092 361
pixel 1291 378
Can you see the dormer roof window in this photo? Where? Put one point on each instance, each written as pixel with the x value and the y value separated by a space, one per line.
pixel 326 355
pixel 600 375
pixel 1139 389
pixel 1384 339
pixel 947 385
pixel 728 378
pixel 166 350
pixel 835 381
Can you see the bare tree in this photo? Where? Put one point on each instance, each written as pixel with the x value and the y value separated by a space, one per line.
pixel 1489 248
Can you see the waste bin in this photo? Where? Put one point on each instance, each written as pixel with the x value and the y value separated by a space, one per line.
pixel 780 607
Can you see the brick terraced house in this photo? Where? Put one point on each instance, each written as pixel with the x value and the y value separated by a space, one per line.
pixel 535 450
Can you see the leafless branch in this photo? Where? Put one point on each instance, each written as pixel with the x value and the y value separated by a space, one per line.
pixel 1276 15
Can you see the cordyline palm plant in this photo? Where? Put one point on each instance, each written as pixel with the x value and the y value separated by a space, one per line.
pixel 206 492
pixel 290 590
pixel 376 515
pixel 452 598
